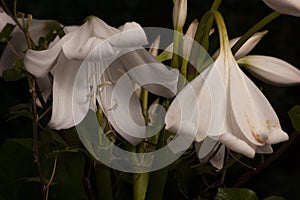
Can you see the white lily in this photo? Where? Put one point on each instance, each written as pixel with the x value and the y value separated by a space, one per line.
pixel 289 7
pixel 66 56
pixel 222 105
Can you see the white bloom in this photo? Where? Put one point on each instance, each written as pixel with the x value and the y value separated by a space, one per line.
pixel 66 56
pixel 289 7
pixel 224 106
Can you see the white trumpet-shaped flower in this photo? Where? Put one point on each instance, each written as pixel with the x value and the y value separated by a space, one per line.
pixel 289 7
pixel 119 49
pixel 223 106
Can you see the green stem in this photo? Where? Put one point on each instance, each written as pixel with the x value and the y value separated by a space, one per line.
pixel 140 180
pixel 201 37
pixel 158 178
pixel 144 99
pixel 102 172
pixel 177 48
pixel 103 182
pixel 223 36
pixel 140 185
pixel 259 25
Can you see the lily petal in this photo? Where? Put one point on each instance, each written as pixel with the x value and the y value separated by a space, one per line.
pixel 218 159
pixel 272 70
pixel 246 47
pixel 45 87
pixel 289 7
pixel 64 76
pixel 121 105
pixel 4 19
pixel 237 145
pixel 39 63
pixel 154 76
pixel 153 50
pixel 37 29
pixel 252 112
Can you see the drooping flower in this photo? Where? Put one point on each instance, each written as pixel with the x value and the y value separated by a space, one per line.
pixel 223 106
pixel 289 7
pixel 119 49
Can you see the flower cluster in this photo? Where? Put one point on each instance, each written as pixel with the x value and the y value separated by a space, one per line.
pixel 221 107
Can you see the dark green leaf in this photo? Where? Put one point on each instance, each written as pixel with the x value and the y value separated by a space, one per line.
pixel 294 114
pixel 205 168
pixel 6 32
pixel 18 64
pixel 19 113
pixel 37 180
pixel 12 74
pixel 68 177
pixel 274 198
pixel 183 174
pixel 16 164
pixel 56 136
pixel 235 194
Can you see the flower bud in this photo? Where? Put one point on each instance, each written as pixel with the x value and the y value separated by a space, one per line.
pixel 179 13
pixel 289 7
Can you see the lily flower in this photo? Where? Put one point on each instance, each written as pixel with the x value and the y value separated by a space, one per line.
pixel 289 7
pixel 119 49
pixel 223 106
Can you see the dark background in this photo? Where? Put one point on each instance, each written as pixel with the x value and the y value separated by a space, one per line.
pixel 281 178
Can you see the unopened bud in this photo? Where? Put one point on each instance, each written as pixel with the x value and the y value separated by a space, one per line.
pixel 179 13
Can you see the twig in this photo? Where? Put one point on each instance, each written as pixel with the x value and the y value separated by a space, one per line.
pixel 249 175
pixel 35 133
pixel 46 188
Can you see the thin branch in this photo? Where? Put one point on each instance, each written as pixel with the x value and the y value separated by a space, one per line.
pixel 35 133
pixel 249 175
pixel 46 188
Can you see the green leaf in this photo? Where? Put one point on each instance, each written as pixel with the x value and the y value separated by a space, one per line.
pixel 12 74
pixel 56 137
pixel 235 194
pixel 16 164
pixel 16 73
pixel 294 114
pixel 54 29
pixel 183 174
pixel 6 32
pixel 68 177
pixel 274 198
pixel 19 113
